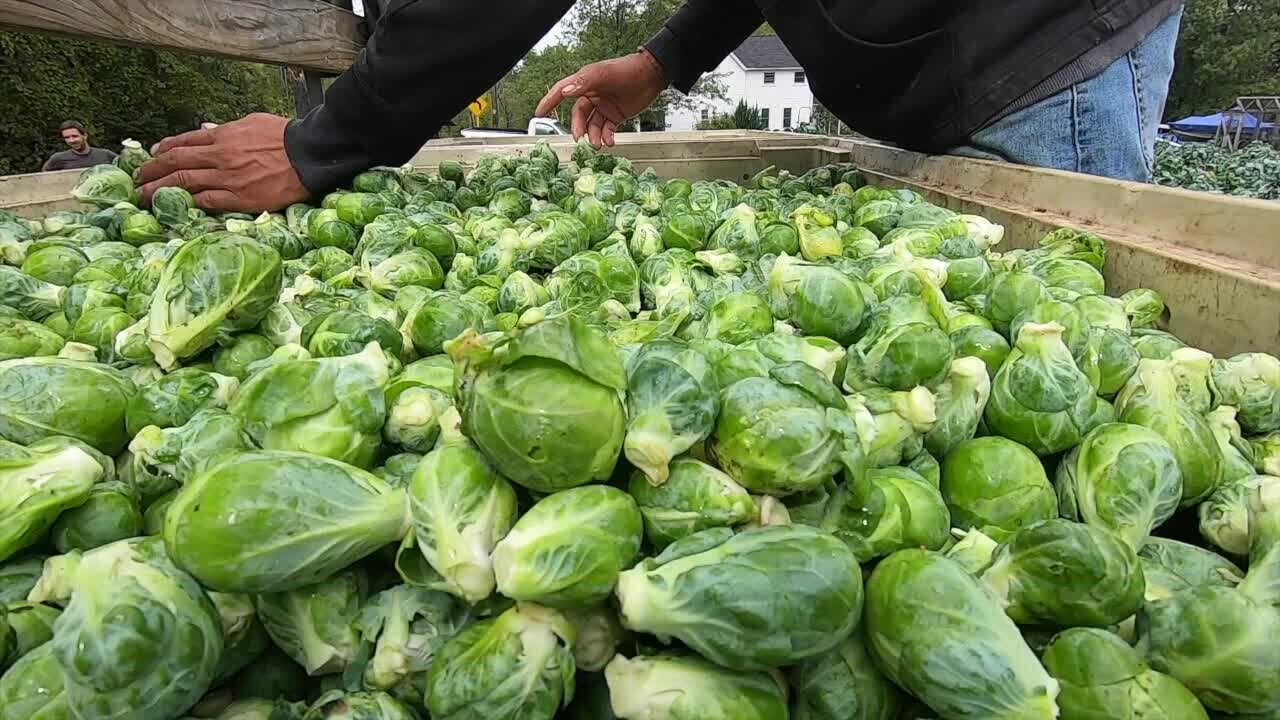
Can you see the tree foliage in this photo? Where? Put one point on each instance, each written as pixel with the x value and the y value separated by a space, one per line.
pixel 594 30
pixel 117 92
pixel 743 117
pixel 1227 49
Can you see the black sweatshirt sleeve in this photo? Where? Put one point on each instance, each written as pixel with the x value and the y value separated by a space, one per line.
pixel 700 35
pixel 426 60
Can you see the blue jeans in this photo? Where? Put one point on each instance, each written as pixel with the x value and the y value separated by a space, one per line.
pixel 1105 125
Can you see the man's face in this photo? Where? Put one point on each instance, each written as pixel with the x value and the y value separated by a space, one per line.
pixel 74 139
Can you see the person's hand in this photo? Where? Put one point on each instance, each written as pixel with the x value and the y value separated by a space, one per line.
pixel 609 93
pixel 240 166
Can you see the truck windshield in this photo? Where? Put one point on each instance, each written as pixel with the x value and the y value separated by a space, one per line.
pixel 549 127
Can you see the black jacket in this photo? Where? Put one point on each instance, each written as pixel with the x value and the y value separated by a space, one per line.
pixel 922 73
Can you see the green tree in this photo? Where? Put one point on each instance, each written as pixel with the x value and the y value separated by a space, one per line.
pixel 118 92
pixel 1227 49
pixel 743 117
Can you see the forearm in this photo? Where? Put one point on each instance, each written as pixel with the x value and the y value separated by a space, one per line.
pixel 426 60
pixel 700 35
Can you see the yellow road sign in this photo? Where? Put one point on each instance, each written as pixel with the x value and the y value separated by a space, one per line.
pixel 480 107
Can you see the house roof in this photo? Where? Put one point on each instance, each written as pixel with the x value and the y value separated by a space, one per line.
pixel 765 51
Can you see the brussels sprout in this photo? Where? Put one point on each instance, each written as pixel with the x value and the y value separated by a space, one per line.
pixel 672 404
pixel 171 400
pixel 1144 307
pixel 546 410
pixel 357 705
pixel 885 510
pixel 141 228
pixel 959 403
pixel 212 285
pixel 1067 574
pixel 775 438
pixel 1151 399
pixel 104 186
pixel 878 216
pixel 1229 659
pixel 1224 516
pixel 461 508
pixel 1171 566
pixel 55 263
pixel 520 292
pixel 110 513
pixel 34 298
pixel 695 497
pixel 997 486
pixel 23 339
pixel 17 577
pixel 413 418
pixel 899 356
pixel 328 406
pixel 325 228
pixel 819 300
pixel 1251 383
pixel 797 592
pixel 1010 294
pixel 588 279
pixel 244 638
pixel 132 156
pixel 34 687
pixel 1102 677
pixel 441 317
pixel 30 625
pixel 891 426
pixel 1237 452
pixel 347 332
pixel 319 516
pixel 937 632
pixel 85 401
pixel 670 687
pixel 1122 478
pixel 843 684
pixel 983 343
pixel 1040 398
pixel 1070 274
pixel 568 549
pixel 314 624
pixel 166 458
pixel 114 662
pixel 1266 453
pixel 518 665
pixel 37 484
pixel 411 267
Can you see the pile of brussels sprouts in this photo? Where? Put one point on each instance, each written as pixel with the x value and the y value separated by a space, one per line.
pixel 546 439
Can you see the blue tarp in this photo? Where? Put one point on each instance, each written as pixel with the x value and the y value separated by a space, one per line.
pixel 1210 123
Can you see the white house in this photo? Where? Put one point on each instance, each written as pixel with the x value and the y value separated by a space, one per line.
pixel 764 73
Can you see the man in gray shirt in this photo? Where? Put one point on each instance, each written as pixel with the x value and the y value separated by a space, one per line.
pixel 81 155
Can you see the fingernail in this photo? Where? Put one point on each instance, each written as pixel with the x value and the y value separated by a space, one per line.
pixel 570 88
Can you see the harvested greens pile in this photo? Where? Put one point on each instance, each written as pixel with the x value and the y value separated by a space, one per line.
pixel 542 439
pixel 1252 172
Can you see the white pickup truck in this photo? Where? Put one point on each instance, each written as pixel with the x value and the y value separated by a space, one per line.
pixel 537 126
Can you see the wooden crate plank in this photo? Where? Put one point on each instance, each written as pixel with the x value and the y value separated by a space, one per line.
pixel 304 33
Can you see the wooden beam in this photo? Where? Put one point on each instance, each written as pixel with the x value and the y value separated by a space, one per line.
pixel 303 33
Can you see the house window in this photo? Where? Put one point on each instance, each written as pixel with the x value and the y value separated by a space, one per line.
pixel 705 114
pixel 800 77
pixel 786 118
pixel 768 78
pixel 764 117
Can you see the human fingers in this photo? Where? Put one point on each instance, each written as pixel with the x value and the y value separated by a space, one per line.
pixel 222 201
pixel 595 129
pixel 610 129
pixel 581 114
pixel 178 158
pixel 193 181
pixel 556 95
pixel 186 139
